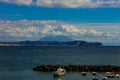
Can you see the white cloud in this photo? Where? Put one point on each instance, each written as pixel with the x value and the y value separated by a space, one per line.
pixel 47 3
pixel 67 3
pixel 94 32
pixel 108 3
pixel 26 2
pixel 20 2
pixel 70 28
pixel 36 29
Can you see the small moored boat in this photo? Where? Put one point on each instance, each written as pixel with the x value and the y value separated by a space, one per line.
pixel 109 73
pixel 59 72
pixel 84 73
pixel 111 76
pixel 104 78
pixel 117 75
pixel 94 73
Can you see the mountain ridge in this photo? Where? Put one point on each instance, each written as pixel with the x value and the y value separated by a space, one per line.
pixel 56 38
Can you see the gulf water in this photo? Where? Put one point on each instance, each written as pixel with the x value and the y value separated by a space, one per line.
pixel 16 63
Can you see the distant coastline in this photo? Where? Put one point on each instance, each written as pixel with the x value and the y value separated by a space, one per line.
pixel 51 43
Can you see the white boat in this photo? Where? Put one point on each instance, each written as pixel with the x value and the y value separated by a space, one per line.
pixel 109 73
pixel 94 73
pixel 59 72
pixel 111 76
pixel 104 78
pixel 84 73
pixel 117 75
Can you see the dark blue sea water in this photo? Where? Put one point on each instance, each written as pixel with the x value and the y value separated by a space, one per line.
pixel 16 63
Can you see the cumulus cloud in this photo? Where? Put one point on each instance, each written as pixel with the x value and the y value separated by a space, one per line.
pixel 36 29
pixel 20 2
pixel 67 3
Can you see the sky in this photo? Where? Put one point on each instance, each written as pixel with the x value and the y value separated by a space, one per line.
pixel 89 20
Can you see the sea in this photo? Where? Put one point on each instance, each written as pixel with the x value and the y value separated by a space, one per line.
pixel 16 63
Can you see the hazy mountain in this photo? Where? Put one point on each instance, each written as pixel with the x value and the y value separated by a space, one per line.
pixel 56 38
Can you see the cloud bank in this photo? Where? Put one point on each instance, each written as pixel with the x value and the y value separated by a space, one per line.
pixel 67 3
pixel 36 29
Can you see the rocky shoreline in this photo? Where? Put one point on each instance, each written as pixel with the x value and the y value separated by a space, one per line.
pixel 78 68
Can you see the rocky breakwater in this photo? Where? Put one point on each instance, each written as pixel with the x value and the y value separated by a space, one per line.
pixel 79 68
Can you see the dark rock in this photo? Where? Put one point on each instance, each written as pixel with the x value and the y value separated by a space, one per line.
pixel 79 68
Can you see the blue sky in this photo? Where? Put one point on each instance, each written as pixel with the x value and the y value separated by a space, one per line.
pixel 90 20
pixel 84 15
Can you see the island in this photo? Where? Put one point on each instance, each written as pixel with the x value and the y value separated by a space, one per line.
pixel 51 43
